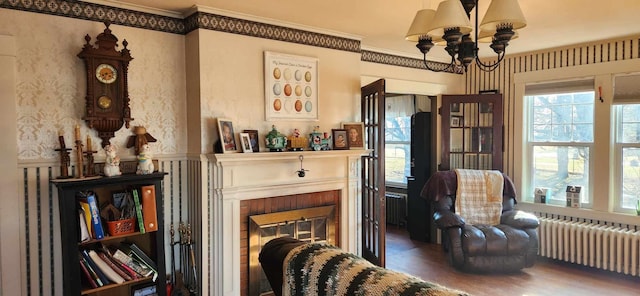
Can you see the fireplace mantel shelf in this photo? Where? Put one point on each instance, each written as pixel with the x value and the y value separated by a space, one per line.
pixel 284 156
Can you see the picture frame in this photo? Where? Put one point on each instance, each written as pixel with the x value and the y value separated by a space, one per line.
pixel 455 107
pixel 486 107
pixel 245 142
pixel 291 87
pixel 339 139
pixel 253 139
pixel 227 136
pixel 355 133
pixel 456 121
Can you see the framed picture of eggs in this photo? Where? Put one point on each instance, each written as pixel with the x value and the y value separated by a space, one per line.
pixel 291 87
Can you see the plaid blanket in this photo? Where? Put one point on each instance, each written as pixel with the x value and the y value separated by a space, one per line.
pixel 479 196
pixel 322 269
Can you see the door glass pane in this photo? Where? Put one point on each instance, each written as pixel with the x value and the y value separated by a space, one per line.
pixel 456 140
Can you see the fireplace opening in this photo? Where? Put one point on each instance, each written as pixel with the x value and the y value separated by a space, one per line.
pixel 310 225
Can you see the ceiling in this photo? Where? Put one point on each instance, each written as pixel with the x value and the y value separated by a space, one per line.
pixel 382 24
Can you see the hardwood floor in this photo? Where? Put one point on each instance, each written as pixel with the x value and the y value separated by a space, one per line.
pixel 546 277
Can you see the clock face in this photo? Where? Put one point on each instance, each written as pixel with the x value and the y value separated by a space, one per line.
pixel 106 73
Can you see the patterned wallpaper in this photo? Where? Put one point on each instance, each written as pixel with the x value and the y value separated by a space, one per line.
pixel 51 83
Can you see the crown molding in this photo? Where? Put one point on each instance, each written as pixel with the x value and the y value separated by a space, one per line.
pixel 140 8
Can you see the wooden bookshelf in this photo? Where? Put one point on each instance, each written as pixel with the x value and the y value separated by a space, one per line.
pixel 151 242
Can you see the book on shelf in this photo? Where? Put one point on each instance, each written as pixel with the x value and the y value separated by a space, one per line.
pixel 135 250
pixel 87 275
pixel 111 274
pixel 138 205
pixel 114 266
pixel 87 216
pixel 96 221
pixel 84 231
pixel 132 274
pixel 100 276
pixel 136 266
pixel 149 207
pixel 138 255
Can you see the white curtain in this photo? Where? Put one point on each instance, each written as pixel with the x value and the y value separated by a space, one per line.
pixel 399 106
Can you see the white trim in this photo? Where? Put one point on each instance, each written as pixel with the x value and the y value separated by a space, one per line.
pixel 406 86
pixel 244 176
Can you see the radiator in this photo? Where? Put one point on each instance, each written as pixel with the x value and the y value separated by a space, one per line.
pixel 601 246
pixel 396 208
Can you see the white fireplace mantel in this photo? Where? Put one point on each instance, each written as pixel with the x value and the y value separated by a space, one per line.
pixel 235 177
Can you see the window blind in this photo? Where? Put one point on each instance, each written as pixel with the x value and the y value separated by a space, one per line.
pixel 559 87
pixel 626 89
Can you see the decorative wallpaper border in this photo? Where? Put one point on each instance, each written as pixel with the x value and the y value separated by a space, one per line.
pixel 98 12
pixel 394 60
pixel 209 21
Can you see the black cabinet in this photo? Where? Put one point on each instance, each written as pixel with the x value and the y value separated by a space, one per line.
pixel 152 243
pixel 419 215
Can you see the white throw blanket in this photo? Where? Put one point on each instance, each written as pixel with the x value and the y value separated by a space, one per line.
pixel 479 196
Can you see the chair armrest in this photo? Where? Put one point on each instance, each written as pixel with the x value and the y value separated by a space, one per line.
pixel 447 219
pixel 519 219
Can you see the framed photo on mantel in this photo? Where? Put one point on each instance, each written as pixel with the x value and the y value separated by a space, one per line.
pixel 291 87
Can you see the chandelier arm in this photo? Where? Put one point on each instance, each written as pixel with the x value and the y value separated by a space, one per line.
pixel 426 65
pixel 488 67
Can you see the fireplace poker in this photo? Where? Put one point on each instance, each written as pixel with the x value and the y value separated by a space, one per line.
pixel 194 284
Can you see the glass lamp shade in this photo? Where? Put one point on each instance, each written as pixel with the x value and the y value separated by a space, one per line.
pixel 502 12
pixel 420 25
pixel 450 14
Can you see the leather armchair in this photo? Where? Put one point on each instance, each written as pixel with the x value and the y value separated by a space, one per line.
pixel 507 247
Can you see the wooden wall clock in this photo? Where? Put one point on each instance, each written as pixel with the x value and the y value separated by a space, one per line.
pixel 107 100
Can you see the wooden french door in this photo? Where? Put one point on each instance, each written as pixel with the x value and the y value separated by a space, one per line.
pixel 373 186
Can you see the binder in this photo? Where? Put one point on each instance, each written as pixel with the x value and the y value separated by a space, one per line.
pixel 149 208
pixel 95 216
pixel 136 201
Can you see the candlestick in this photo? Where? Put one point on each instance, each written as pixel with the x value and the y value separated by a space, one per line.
pixel 89 147
pixel 77 130
pixel 64 157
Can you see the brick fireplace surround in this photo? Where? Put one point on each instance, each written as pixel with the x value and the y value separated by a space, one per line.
pixel 241 184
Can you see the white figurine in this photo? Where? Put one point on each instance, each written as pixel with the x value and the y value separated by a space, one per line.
pixel 112 163
pixel 145 163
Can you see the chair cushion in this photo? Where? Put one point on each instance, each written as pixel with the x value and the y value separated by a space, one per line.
pixel 500 240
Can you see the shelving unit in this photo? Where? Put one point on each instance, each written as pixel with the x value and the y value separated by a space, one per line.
pixel 151 242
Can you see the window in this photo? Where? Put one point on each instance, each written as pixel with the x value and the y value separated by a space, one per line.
pixel 398 139
pixel 627 149
pixel 560 139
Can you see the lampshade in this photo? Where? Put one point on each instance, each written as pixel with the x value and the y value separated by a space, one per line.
pixel 487 36
pixel 420 25
pixel 503 12
pixel 450 14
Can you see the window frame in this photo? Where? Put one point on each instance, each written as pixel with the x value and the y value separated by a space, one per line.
pixel 530 144
pixel 603 195
pixel 618 166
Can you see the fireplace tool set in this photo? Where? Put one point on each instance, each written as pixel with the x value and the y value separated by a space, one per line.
pixel 184 280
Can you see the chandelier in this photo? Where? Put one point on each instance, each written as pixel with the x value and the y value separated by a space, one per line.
pixel 450 25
